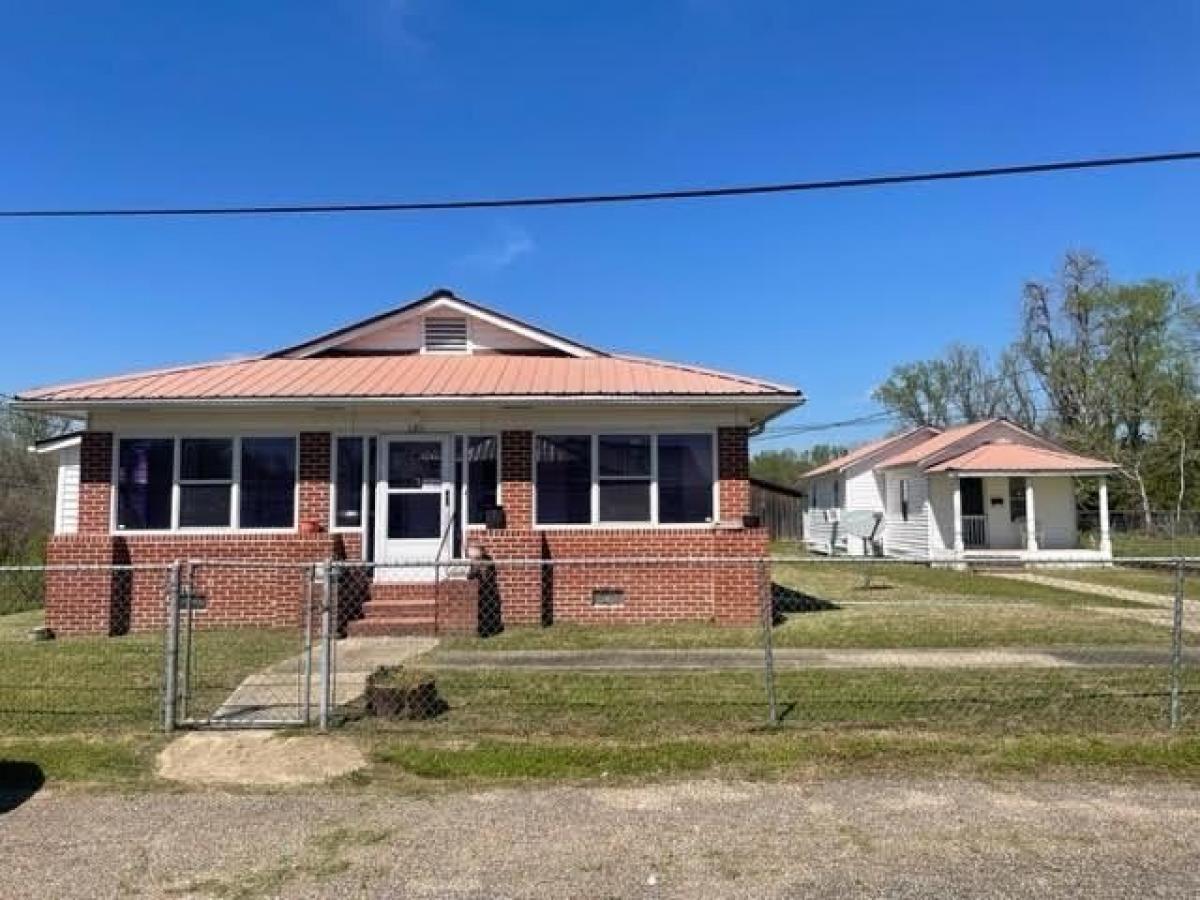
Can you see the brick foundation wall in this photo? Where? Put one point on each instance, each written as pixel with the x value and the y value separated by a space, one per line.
pixel 712 582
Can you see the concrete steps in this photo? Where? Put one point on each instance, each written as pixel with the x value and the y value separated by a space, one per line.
pixel 409 608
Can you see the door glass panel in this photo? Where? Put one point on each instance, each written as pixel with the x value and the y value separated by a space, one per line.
pixel 414 464
pixel 414 516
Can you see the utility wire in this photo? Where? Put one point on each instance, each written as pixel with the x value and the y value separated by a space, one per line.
pixel 1108 162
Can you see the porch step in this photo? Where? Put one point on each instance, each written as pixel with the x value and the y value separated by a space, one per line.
pixel 388 626
pixel 406 608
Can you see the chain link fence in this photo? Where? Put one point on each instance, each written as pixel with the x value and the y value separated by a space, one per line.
pixel 469 649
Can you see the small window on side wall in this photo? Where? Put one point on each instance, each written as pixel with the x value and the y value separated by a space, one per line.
pixel 904 499
pixel 1016 499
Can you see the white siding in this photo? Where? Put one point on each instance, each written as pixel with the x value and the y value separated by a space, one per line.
pixel 1054 512
pixel 864 490
pixel 66 498
pixel 900 537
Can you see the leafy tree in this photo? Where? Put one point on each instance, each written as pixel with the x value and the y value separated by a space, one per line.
pixel 786 466
pixel 27 483
pixel 962 385
pixel 1109 369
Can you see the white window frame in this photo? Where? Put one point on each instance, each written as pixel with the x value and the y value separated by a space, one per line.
pixel 176 437
pixel 595 523
pixel 178 483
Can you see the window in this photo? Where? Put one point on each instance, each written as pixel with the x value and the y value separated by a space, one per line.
pixel 1016 499
pixel 482 477
pixel 348 482
pixel 623 477
pixel 685 478
pixel 205 482
pixel 904 499
pixel 145 473
pixel 635 478
pixel 836 491
pixel 268 485
pixel 564 479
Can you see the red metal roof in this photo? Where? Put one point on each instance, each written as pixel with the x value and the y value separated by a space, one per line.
pixel 1005 456
pixel 937 443
pixel 858 453
pixel 416 376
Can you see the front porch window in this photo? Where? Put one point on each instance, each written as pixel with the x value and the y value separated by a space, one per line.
pixel 1016 499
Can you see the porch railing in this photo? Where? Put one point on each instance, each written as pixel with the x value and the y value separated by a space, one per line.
pixel 974 531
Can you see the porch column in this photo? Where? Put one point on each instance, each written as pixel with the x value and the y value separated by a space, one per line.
pixel 1031 543
pixel 1105 539
pixel 959 547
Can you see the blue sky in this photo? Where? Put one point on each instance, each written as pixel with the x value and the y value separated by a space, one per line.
pixel 158 104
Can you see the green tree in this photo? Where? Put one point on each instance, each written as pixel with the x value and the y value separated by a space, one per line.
pixel 788 465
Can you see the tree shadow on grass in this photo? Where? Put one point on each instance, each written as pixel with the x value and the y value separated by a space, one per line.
pixel 19 780
pixel 787 600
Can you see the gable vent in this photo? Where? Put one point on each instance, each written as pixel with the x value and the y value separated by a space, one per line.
pixel 446 334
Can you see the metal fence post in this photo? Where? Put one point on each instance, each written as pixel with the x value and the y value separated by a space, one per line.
pixel 329 600
pixel 768 626
pixel 171 650
pixel 306 666
pixel 1177 644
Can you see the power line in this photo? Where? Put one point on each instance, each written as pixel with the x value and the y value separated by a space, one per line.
pixel 610 198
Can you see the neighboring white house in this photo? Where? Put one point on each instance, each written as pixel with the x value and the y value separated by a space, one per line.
pixel 986 489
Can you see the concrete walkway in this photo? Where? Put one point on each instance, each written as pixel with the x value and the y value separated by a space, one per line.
pixel 1086 587
pixel 1156 609
pixel 275 695
pixel 799 659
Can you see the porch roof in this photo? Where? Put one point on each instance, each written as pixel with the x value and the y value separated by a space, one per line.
pixel 1005 457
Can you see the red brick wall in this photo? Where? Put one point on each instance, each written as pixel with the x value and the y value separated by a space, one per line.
pixel 516 478
pixel 313 472
pixel 265 589
pixel 562 567
pixel 733 471
pixel 95 482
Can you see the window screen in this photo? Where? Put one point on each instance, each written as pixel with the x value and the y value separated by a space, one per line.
pixel 685 478
pixel 564 479
pixel 145 472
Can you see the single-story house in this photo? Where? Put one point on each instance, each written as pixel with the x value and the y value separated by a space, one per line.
pixel 438 430
pixel 986 489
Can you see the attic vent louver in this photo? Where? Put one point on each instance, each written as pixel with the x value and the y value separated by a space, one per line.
pixel 445 334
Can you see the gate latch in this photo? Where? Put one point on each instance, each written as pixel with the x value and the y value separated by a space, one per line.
pixel 192 600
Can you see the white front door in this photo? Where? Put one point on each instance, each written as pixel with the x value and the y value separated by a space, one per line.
pixel 413 502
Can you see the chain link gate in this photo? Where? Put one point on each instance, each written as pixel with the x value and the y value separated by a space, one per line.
pixel 266 673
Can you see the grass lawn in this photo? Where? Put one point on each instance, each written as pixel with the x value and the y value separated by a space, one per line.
pixel 647 705
pixel 111 684
pixel 1153 545
pixel 904 606
pixel 408 762
pixel 503 726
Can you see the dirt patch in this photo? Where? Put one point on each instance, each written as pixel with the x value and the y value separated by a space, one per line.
pixel 257 758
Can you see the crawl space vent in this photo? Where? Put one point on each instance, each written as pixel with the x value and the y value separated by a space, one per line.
pixel 608 597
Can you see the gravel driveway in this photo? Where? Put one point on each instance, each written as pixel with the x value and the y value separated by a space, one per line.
pixel 879 837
